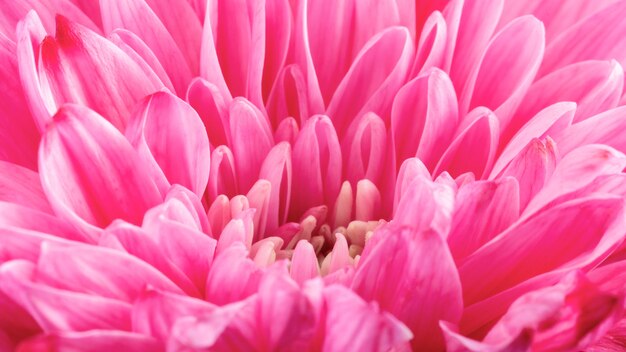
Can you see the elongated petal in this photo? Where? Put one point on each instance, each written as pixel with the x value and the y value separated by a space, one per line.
pixel 222 286
pixel 222 174
pixel 367 149
pixel 169 135
pixel 278 27
pixel 84 68
pixel 390 53
pixel 277 170
pixel 93 341
pixel 421 296
pixel 482 211
pixel 432 44
pixel 424 117
pixel 603 128
pixel 89 170
pixel 506 69
pixel 316 166
pixel 288 98
pixel 212 108
pixel 22 186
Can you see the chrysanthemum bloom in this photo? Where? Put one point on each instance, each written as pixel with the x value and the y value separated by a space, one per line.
pixel 274 175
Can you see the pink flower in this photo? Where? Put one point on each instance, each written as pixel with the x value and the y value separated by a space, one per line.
pixel 271 175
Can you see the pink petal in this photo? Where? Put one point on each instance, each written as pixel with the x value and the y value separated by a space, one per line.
pixel 139 18
pixel 155 312
pixel 474 148
pixel 89 170
pixel 259 198
pixel 19 137
pixel 304 264
pixel 222 286
pixel 251 140
pixel 364 89
pixel 532 168
pixel 316 166
pixel 432 44
pixel 506 69
pixel 101 271
pixel 26 244
pixel 211 106
pixel 222 174
pixel 352 324
pixel 496 266
pixel 100 74
pixel 59 310
pixel 288 97
pixel 398 273
pixel 600 36
pixel 424 117
pixel 22 186
pixel 577 169
pixel 482 210
pixel 603 128
pixel 169 135
pixel 17 216
pixel 92 341
pixel 193 206
pixel 277 170
pixel 548 122
pixel 278 23
pixel 366 149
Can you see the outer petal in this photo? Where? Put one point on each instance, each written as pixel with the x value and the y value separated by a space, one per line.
pixel 483 209
pixel 84 68
pixel 506 69
pixel 169 135
pixel 92 341
pixel 22 186
pixel 89 170
pixel 604 128
pixel 428 290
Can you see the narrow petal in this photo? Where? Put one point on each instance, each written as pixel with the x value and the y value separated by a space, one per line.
pixel 169 135
pixel 432 44
pixel 277 170
pixel 366 149
pixel 104 181
pixel 278 27
pixel 603 128
pixel 212 108
pixel 288 97
pixel 222 174
pixel 304 264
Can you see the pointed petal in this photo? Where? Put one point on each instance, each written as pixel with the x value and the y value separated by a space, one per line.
pixel 89 170
pixel 169 135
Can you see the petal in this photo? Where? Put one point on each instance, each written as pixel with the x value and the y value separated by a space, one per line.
pixel 482 210
pixel 222 286
pixel 366 149
pixel 288 97
pixel 603 128
pixel 506 69
pixel 222 173
pixel 600 36
pixel 581 223
pixel 277 170
pixel 278 23
pixel 100 271
pixel 474 148
pixel 84 68
pixel 352 324
pixel 59 310
pixel 169 135
pixel 21 217
pixel 316 166
pixel 424 117
pixel 137 17
pixel 92 341
pixel 432 44
pixel 251 140
pixel 89 170
pixel 410 170
pixel 211 106
pixel 22 186
pixel 428 290
pixel 20 243
pixel 364 89
pixel 304 264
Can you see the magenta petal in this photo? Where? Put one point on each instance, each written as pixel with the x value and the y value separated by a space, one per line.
pixel 93 341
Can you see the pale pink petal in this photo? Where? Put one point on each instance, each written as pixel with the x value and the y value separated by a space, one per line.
pixel 377 72
pixel 60 310
pixel 367 201
pixel 428 290
pixel 277 170
pixel 103 182
pixel 316 166
pixel 169 136
pixel 92 341
pixel 82 269
pixel 474 148
pixel 84 68
pixel 212 107
pixel 259 198
pixel 482 210
pixel 424 117
pixel 600 36
pixel 506 69
pixel 139 18
pixel 304 264
pixel 250 139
